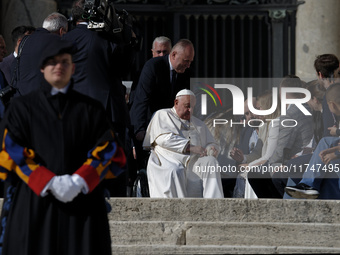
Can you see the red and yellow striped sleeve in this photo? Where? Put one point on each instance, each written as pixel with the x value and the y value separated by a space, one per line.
pixel 104 161
pixel 19 159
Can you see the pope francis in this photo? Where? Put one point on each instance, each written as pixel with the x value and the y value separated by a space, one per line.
pixel 183 161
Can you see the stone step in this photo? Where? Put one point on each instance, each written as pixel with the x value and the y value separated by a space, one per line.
pixel 224 226
pixel 216 249
pixel 225 233
pixel 225 210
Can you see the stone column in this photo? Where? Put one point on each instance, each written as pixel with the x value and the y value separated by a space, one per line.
pixel 317 32
pixel 15 13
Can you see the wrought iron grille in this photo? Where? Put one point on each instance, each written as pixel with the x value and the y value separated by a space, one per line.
pixel 232 38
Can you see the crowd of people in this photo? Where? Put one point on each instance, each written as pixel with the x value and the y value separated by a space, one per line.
pixel 69 136
pixel 298 160
pixel 101 64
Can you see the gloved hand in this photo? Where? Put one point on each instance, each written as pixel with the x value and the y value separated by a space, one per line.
pixel 80 182
pixel 64 188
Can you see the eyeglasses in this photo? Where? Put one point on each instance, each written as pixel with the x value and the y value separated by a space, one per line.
pixel 53 62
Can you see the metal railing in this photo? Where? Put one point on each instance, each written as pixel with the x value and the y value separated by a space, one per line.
pixel 232 38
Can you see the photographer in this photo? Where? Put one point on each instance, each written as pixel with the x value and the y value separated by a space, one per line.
pixel 101 62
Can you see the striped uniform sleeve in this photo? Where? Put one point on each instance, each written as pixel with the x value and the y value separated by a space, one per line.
pixel 14 157
pixel 104 161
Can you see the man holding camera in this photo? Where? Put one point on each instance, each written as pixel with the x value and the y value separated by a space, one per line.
pixel 101 63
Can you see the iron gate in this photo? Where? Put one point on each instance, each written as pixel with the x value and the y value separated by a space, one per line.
pixel 232 38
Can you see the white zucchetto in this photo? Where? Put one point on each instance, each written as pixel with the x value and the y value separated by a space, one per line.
pixel 185 92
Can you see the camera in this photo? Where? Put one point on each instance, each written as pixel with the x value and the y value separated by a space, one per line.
pixel 103 16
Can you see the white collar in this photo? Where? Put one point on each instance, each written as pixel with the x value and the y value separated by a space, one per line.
pixel 187 122
pixel 63 90
pixel 171 68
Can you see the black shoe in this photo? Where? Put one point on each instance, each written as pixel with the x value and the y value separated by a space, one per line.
pixel 302 191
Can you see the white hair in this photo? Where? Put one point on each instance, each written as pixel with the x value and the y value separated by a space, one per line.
pixel 162 40
pixel 54 22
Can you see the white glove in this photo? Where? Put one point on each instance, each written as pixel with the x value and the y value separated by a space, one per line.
pixel 80 182
pixel 63 188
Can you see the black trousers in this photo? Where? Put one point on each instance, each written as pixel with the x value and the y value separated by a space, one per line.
pixel 263 185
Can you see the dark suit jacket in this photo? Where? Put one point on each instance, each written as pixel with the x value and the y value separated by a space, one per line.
pixel 245 135
pixel 28 74
pixel 5 67
pixel 3 84
pixel 154 91
pixel 99 66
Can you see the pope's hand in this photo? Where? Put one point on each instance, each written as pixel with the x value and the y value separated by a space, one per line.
pixel 212 151
pixel 197 150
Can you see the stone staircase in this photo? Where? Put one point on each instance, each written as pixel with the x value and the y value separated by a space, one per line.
pixel 224 226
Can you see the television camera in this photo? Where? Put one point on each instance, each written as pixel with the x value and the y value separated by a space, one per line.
pixel 119 25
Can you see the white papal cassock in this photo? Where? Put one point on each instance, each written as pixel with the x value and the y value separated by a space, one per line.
pixel 172 172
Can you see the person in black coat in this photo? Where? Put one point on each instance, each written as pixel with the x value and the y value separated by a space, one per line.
pixel 27 75
pixel 3 81
pixel 161 46
pixel 101 64
pixel 17 34
pixel 160 80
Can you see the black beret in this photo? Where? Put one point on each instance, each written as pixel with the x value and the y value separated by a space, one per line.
pixel 56 46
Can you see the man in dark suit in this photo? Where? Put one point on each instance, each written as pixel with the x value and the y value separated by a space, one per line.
pixel 3 82
pixel 17 34
pixel 161 46
pixel 101 64
pixel 3 49
pixel 160 80
pixel 27 76
pixel 3 52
